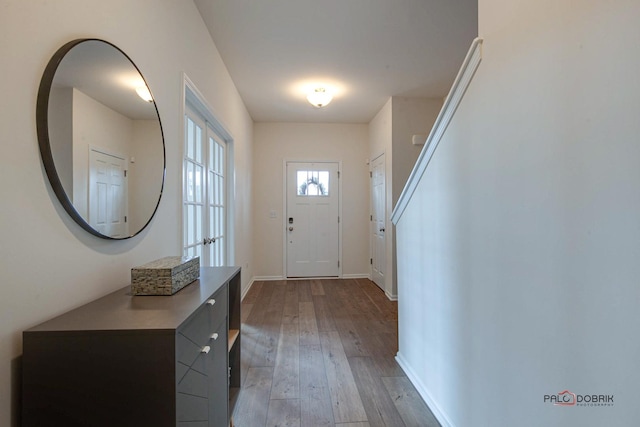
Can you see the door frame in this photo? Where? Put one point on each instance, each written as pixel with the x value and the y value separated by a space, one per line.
pixel 285 273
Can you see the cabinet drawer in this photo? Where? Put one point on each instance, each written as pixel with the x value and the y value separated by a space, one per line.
pixel 198 328
pixel 192 408
pixel 187 351
pixel 218 311
pixel 193 383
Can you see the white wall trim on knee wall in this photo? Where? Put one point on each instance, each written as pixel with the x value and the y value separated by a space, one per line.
pixel 458 89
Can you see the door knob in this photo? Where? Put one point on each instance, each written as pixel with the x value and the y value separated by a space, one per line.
pixel 290 228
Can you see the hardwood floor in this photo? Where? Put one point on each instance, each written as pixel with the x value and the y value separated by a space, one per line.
pixel 321 353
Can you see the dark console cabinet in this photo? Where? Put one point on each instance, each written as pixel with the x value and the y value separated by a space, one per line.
pixel 127 360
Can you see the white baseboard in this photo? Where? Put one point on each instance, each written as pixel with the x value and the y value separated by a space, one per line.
pixel 424 393
pixel 246 291
pixel 391 297
pixel 356 276
pixel 344 276
pixel 267 278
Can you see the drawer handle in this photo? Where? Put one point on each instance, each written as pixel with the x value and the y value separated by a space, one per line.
pixel 211 301
pixel 214 336
pixel 206 349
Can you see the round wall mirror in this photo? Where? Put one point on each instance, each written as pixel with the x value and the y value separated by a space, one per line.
pixel 101 138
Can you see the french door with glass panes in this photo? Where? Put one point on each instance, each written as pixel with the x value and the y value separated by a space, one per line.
pixel 204 195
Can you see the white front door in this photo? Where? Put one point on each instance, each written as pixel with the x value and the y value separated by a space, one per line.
pixel 107 194
pixel 312 220
pixel 378 221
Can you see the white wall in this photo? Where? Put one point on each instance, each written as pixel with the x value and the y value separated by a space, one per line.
pixel 410 116
pixel 275 142
pixel 145 173
pixel 49 265
pixel 381 132
pixel 518 255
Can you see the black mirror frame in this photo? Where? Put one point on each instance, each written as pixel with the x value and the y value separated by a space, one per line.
pixel 42 127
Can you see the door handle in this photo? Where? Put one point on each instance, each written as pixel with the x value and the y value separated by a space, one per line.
pixel 290 228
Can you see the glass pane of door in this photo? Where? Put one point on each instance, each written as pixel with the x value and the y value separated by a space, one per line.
pixel 193 187
pixel 217 199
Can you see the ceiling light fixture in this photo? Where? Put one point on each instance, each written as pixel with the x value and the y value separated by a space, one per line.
pixel 143 92
pixel 319 97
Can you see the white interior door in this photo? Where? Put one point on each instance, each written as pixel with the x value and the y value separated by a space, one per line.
pixel 107 194
pixel 378 222
pixel 204 194
pixel 312 221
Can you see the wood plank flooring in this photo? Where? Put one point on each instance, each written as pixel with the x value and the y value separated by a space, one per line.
pixel 321 353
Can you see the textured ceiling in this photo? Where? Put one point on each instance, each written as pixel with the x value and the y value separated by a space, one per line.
pixel 363 50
